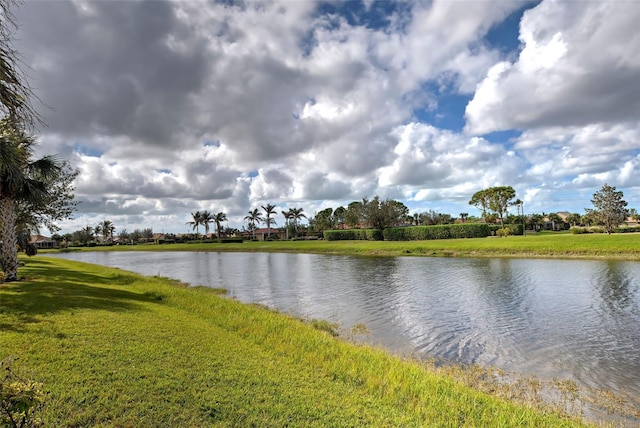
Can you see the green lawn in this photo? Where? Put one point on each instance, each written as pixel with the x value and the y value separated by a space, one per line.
pixel 624 246
pixel 114 348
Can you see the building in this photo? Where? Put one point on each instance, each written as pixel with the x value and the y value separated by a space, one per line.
pixel 43 242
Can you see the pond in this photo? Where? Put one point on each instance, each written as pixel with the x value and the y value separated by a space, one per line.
pixel 568 319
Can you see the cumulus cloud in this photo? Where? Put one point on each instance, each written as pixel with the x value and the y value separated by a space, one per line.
pixel 579 65
pixel 441 164
pixel 171 107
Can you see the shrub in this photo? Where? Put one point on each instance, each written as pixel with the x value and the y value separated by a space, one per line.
pixel 630 229
pixel 576 230
pixel 230 240
pixel 503 232
pixel 19 399
pixel 515 229
pixel 446 231
pixel 353 234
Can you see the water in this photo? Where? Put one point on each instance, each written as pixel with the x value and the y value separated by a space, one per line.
pixel 567 319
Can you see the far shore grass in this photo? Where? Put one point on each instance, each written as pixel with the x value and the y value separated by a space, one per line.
pixel 624 246
pixel 113 348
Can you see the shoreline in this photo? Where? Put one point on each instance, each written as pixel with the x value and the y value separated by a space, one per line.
pixel 563 246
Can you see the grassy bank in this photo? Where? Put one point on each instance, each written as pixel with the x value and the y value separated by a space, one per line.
pixel 617 246
pixel 114 348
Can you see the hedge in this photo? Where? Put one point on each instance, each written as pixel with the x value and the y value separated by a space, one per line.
pixel 353 235
pixel 516 229
pixel 445 231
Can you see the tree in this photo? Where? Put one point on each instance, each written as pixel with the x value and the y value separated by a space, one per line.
pixel 480 200
pixel 535 221
pixel 269 210
pixel 87 234
pixel 124 235
pixel 218 219
pixel 432 217
pixel 323 220
pixel 196 222
pixel 495 199
pixel 609 207
pixel 206 218
pixel 136 235
pixel 254 218
pixel 24 182
pixel 287 217
pixel 147 233
pixel 57 204
pixel 15 92
pixel 339 216
pixel 463 217
pixel 573 219
pixel 295 215
pixel 98 230
pixel 354 215
pixel 106 228
pixel 555 219
pixel 382 214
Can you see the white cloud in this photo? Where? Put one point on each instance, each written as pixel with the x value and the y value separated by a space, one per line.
pixel 578 66
pixel 171 107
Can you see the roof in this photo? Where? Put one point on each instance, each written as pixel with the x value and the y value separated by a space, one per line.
pixel 40 238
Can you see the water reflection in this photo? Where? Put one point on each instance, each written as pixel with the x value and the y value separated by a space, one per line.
pixel 577 320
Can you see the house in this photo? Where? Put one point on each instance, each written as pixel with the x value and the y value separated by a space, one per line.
pixel 262 234
pixel 43 242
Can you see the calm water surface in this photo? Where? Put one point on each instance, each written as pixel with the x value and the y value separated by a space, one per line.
pixel 566 319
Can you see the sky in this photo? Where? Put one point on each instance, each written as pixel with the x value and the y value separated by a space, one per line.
pixel 167 108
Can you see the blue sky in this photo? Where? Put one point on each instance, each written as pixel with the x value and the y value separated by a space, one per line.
pixel 171 107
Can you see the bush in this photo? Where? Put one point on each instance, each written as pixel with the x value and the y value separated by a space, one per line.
pixel 576 230
pixel 19 400
pixel 446 231
pixel 515 229
pixel 631 229
pixel 353 235
pixel 503 232
pixel 230 240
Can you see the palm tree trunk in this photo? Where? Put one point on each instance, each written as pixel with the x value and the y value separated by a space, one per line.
pixel 8 248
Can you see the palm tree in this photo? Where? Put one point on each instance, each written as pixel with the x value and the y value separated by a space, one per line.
pixel 287 217
pixel 206 218
pixel 295 214
pixel 21 180
pixel 98 231
pixel 218 219
pixel 16 93
pixel 197 221
pixel 555 219
pixel 269 211
pixel 254 218
pixel 87 234
pixel 107 228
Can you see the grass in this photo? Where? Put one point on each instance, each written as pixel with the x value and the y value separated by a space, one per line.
pixel 617 246
pixel 114 348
